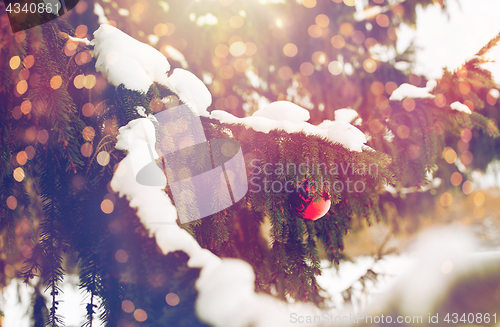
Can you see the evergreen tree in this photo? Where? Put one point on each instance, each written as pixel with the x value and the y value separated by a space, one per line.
pixel 60 120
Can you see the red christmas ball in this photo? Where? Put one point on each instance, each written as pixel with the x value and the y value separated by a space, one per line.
pixel 303 202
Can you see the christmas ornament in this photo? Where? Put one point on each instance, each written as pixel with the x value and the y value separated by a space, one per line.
pixel 303 202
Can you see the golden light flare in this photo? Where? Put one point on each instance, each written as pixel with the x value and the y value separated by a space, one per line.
pixel 370 65
pixel 20 36
pixel 26 107
pixel 70 48
pixel 350 3
pixel 17 113
pixel 107 205
pixel 409 104
pixel 382 20
pixel 22 158
pixel 290 50
pixel 88 133
pixel 322 20
pixel 440 100
pixel 240 65
pixel 377 88
pixel 86 150
pixel 172 299
pixel 358 37
pixel 346 29
pixel 309 3
pixel 315 31
pixel 306 69
pixel 466 158
pixel 42 136
pixel 449 155
pixel 382 102
pixel 390 87
pixel 226 72
pixel 24 74
pixel 456 178
pixel 18 174
pixel 479 199
pixel 128 306
pixel 391 33
pixel 251 49
pixel 222 51
pixel 56 82
pixel 89 81
pixel 22 87
pixel 14 62
pixel 79 81
pixel 446 199
pixel 338 41
pixel 81 31
pixel 83 57
pixel 464 87
pixel 236 21
pixel 285 73
pixel 140 315
pixel 11 202
pixel 466 135
pixel 370 42
pixel 237 49
pixel 319 58
pixel 103 158
pixel 467 187
pixel 403 132
pixel 88 109
pixel 335 68
pixel 29 61
pixel 121 256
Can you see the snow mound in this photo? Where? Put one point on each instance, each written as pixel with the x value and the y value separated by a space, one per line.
pixel 124 60
pixel 457 105
pixel 341 132
pixel 411 91
pixel 346 114
pixel 283 111
pixel 190 89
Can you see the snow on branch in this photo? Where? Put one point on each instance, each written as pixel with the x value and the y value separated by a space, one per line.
pixel 289 117
pixel 406 90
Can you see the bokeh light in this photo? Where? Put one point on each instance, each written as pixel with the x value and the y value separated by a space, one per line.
pixel 467 187
pixel 121 256
pixel 479 199
pixel 172 299
pixel 107 206
pixel 449 155
pixel 456 178
pixel 140 315
pixel 128 306
pixel 18 174
pixel 446 199
pixel 56 82
pixel 12 202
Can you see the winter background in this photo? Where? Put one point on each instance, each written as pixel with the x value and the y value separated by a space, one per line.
pixel 443 39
